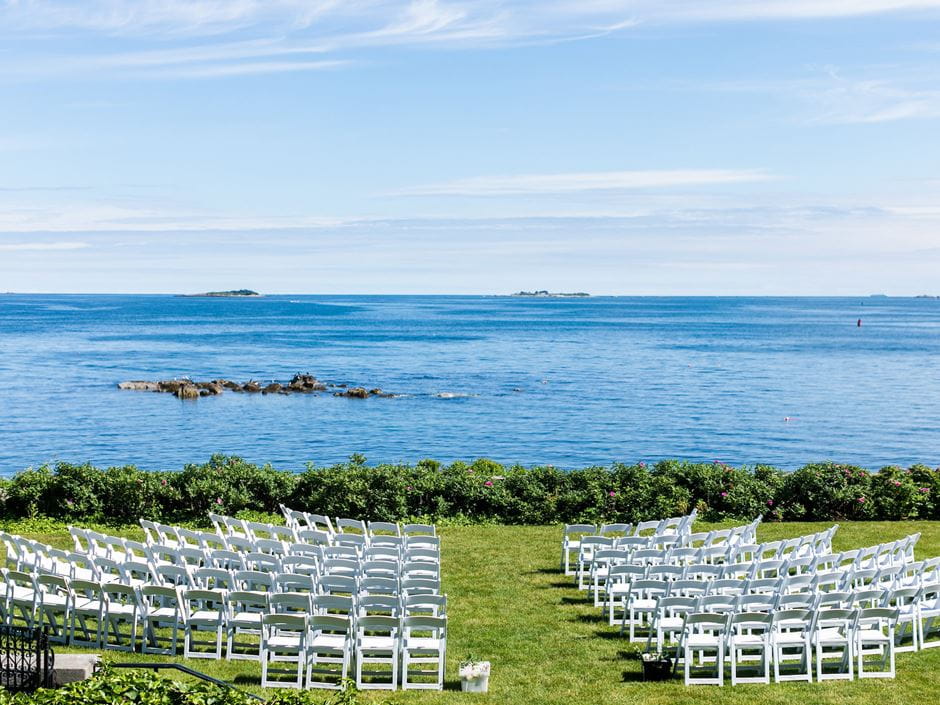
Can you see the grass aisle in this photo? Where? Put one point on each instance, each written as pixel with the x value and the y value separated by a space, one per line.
pixel 549 646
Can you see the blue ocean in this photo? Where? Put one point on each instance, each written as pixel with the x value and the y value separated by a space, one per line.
pixel 569 382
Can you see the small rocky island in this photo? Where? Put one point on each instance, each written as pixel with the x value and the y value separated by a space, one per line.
pixel 239 293
pixel 553 294
pixel 299 384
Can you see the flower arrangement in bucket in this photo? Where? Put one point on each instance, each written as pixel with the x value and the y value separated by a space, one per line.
pixel 657 666
pixel 474 675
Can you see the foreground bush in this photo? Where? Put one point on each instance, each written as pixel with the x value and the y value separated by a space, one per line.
pixel 110 687
pixel 482 491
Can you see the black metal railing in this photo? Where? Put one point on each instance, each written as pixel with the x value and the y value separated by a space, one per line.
pixel 26 659
pixel 188 671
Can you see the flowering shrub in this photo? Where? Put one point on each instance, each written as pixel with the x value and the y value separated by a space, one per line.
pixel 482 491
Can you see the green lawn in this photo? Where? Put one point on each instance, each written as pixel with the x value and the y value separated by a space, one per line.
pixel 548 644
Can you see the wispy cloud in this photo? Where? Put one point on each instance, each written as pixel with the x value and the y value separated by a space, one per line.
pixel 41 246
pixel 574 182
pixel 212 34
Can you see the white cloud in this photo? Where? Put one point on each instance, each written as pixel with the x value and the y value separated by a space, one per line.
pixel 522 184
pixel 210 32
pixel 41 246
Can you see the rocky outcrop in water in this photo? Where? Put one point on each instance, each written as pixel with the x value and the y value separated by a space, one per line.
pixel 298 384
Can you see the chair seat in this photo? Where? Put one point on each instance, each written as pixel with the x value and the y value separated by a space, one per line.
pixel 329 641
pixel 671 623
pixel 790 638
pixel 748 640
pixel 162 613
pixel 118 610
pixel 643 604
pixel 696 641
pixel 83 604
pixel 205 617
pixel 246 619
pixel 422 644
pixel 378 643
pixel 872 636
pixel 830 635
pixel 285 641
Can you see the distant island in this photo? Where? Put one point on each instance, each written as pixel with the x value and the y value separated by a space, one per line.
pixel 233 292
pixel 926 296
pixel 552 294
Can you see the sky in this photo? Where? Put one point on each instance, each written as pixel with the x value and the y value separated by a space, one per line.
pixel 636 147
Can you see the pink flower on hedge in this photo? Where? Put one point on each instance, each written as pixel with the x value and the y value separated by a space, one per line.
pixel 408 488
pixel 770 503
pixel 861 500
pixel 488 483
pixel 611 494
pixel 897 483
pixel 724 494
pixel 218 500
pixel 163 482
pixel 925 489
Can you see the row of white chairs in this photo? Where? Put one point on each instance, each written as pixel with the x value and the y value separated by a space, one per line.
pixel 803 547
pixel 596 558
pixel 572 534
pixel 609 573
pixel 624 587
pixel 183 566
pixel 317 631
pixel 339 525
pixel 653 606
pixel 787 640
pixel 240 535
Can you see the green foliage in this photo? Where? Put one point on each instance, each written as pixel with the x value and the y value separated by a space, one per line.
pixel 110 687
pixel 482 492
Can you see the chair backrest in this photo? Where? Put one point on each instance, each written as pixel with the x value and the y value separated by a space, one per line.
pixel 705 622
pixel 290 602
pixel 379 586
pixel 754 603
pixel 750 622
pixel 425 529
pixel 793 620
pixel 727 586
pixel 314 537
pixel 798 600
pixel 430 605
pixel 280 623
pixel 254 581
pixel 868 598
pixel 573 531
pixel 881 618
pixel 689 588
pixel 379 605
pixel 617 530
pixel 227 559
pixel 430 627
pixel 717 604
pixel 384 527
pixel 157 596
pixel 421 586
pixel 300 565
pixel 331 624
pixel 376 624
pixel 332 604
pixel 833 600
pixel 333 584
pixel 213 579
pixel 345 526
pixel 834 618
pixel 204 600
pixel 292 582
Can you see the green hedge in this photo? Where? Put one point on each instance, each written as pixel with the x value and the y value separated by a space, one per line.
pixel 109 687
pixel 482 491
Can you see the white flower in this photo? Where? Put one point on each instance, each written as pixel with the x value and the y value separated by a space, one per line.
pixel 474 669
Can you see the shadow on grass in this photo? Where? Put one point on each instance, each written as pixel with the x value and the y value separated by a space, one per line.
pixel 574 601
pixel 590 619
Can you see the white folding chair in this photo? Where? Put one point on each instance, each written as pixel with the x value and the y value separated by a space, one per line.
pixel 749 640
pixel 832 636
pixel 330 649
pixel 161 609
pixel 790 639
pixel 204 613
pixel 284 639
pixel 245 610
pixel 704 634
pixel 424 644
pixel 377 651
pixel 874 633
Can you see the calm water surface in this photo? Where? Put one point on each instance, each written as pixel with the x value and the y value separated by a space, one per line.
pixel 568 382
